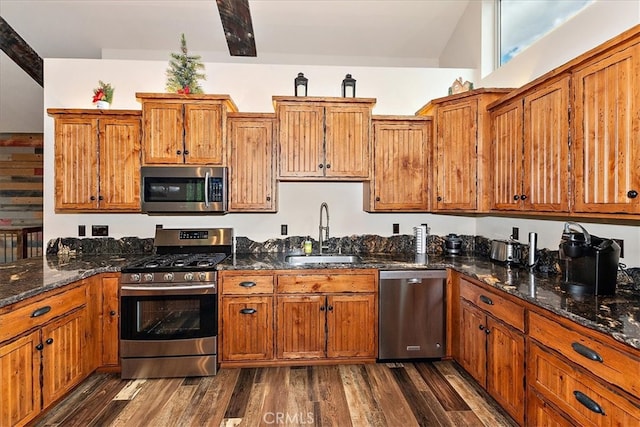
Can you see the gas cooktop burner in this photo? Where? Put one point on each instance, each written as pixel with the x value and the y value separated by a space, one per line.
pixel 177 262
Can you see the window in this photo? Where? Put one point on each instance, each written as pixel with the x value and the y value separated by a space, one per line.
pixel 522 22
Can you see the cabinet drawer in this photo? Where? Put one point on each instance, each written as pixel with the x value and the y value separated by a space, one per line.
pixel 501 308
pixel 19 320
pixel 578 394
pixel 612 365
pixel 247 284
pixel 326 283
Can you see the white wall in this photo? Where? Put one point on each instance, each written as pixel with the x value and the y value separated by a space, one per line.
pixel 23 113
pixel 69 84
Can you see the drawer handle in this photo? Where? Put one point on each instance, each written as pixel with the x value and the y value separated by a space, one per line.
pixel 247 284
pixel 248 311
pixel 586 352
pixel 486 300
pixel 41 311
pixel 587 402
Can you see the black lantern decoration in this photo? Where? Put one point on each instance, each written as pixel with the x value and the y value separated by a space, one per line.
pixel 349 87
pixel 300 85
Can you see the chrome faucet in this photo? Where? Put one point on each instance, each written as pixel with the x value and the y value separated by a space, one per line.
pixel 325 228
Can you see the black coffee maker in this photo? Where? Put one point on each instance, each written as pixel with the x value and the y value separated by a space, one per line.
pixel 589 264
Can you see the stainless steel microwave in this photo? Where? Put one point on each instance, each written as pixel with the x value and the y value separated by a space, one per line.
pixel 183 189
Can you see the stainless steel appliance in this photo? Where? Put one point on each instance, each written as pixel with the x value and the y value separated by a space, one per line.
pixel 183 189
pixel 411 321
pixel 169 305
pixel 589 264
pixel 506 251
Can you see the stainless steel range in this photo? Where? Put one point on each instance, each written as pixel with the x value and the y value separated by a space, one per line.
pixel 169 305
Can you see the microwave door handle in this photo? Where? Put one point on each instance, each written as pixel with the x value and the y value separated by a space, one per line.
pixel 206 189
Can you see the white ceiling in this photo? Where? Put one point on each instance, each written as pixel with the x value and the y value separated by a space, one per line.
pixel 409 33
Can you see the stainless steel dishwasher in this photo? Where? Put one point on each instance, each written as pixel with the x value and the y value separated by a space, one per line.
pixel 411 321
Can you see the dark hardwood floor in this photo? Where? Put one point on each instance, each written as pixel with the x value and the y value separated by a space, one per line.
pixel 383 394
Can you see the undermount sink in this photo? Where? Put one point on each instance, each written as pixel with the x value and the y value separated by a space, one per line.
pixel 322 259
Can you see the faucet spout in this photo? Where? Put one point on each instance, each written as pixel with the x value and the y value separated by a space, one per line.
pixel 323 228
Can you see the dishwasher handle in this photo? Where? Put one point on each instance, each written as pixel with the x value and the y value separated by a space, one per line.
pixel 414 276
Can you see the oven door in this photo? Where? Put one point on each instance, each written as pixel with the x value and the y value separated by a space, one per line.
pixel 167 313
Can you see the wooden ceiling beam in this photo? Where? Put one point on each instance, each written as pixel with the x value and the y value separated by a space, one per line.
pixel 20 52
pixel 238 29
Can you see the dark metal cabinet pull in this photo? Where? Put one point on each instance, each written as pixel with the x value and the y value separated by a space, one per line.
pixel 632 194
pixel 41 311
pixel 112 312
pixel 516 197
pixel 186 152
pixel 49 341
pixel 247 284
pixel 330 307
pixel 523 197
pixel 39 347
pixel 486 299
pixel 585 351
pixel 248 311
pixel 587 402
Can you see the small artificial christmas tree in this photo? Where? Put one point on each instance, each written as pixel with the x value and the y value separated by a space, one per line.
pixel 183 72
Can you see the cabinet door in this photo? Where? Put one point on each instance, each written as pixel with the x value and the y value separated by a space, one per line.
pixel 76 167
pixel 351 326
pixel 505 367
pixel 546 149
pixel 20 380
pixel 203 141
pixel 247 328
pixel 473 354
pixel 347 142
pixel 541 413
pixel 63 355
pixel 301 323
pixel 300 141
pixel 252 185
pixel 455 156
pixel 110 321
pixel 507 154
pixel 606 147
pixel 119 167
pixel 163 125
pixel 400 167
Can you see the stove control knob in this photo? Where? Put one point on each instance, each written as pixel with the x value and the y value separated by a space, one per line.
pixel 188 277
pixel 202 276
pixel 148 277
pixel 135 277
pixel 168 277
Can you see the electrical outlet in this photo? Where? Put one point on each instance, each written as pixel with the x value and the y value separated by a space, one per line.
pixel 515 233
pixel 283 230
pixel 82 230
pixel 100 230
pixel 396 228
pixel 620 243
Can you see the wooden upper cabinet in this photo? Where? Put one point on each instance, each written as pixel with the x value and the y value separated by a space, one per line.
pixel 461 150
pixel 323 138
pixel 184 129
pixel 530 150
pixel 606 146
pixel 400 180
pixel 252 186
pixel 97 160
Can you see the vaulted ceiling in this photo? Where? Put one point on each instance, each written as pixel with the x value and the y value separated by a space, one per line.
pixel 331 32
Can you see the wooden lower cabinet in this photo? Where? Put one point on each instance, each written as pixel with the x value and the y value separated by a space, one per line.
pixel 109 324
pixel 492 351
pixel 248 328
pixel 542 414
pixel 287 316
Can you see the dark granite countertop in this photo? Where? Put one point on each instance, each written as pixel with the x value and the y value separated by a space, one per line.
pixel 617 316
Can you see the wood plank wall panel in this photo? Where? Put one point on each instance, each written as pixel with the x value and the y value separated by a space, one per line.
pixel 21 170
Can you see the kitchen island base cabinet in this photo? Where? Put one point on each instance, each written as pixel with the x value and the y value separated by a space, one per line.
pixel 47 357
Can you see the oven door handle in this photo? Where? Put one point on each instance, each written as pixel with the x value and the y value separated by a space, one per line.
pixel 184 290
